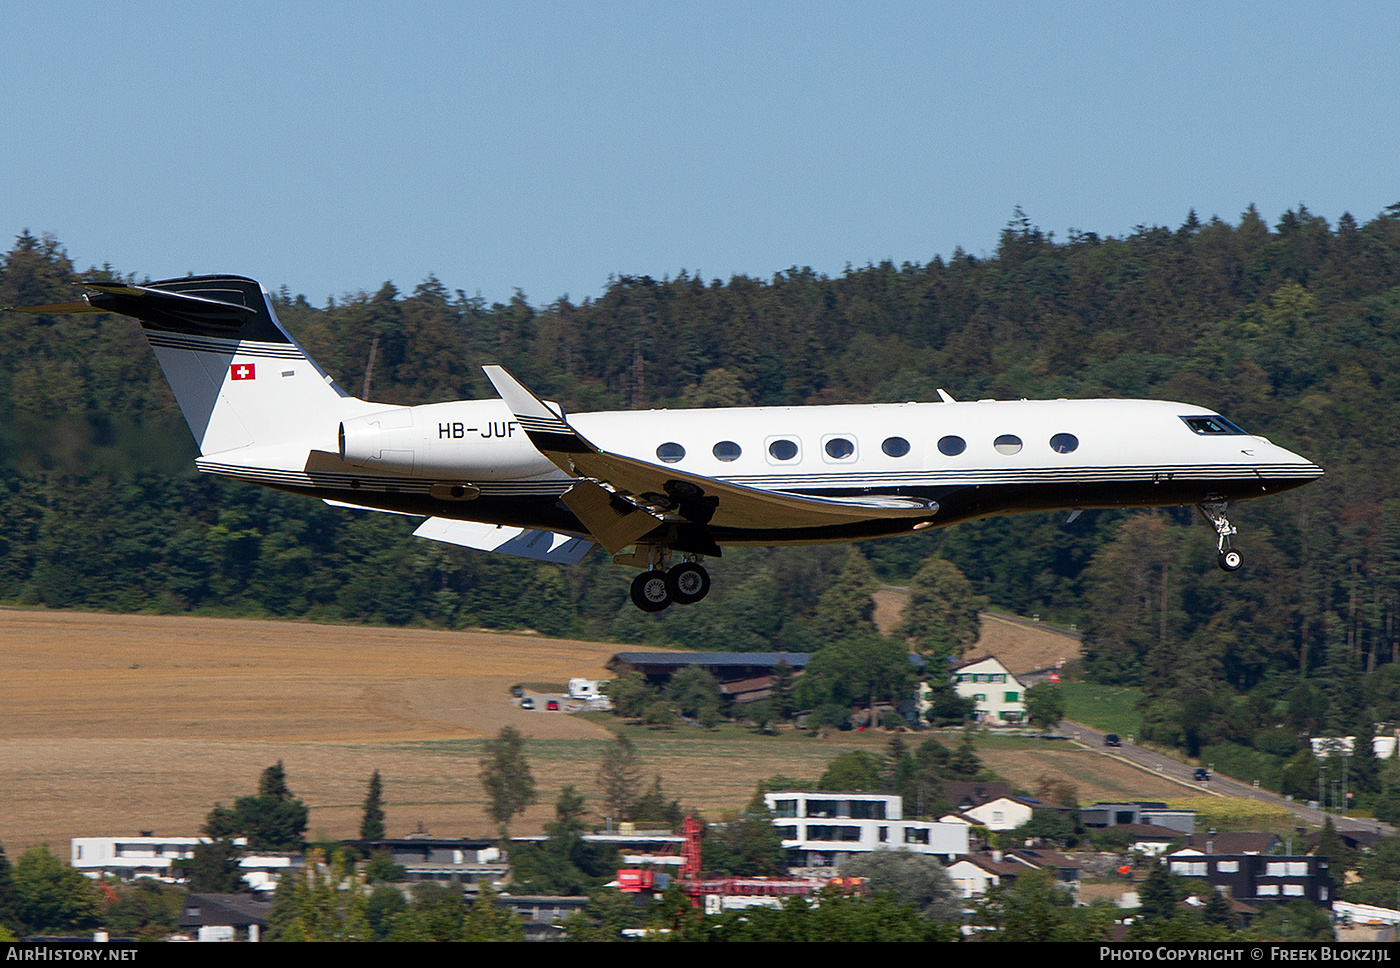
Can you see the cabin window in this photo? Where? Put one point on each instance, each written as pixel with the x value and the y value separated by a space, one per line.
pixel 839 448
pixel 951 446
pixel 727 450
pixel 895 446
pixel 1064 443
pixel 670 453
pixel 782 449
pixel 1007 444
pixel 1213 426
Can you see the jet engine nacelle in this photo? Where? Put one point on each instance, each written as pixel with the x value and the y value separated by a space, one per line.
pixel 472 440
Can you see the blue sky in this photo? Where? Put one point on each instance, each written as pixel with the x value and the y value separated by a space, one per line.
pixel 329 147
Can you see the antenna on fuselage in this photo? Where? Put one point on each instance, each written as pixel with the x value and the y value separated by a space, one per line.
pixel 944 396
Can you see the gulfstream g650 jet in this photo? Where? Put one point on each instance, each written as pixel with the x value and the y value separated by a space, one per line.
pixel 661 490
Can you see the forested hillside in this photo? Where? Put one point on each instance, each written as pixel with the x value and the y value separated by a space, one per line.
pixel 1291 331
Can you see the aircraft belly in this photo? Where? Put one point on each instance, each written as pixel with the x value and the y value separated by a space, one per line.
pixel 955 503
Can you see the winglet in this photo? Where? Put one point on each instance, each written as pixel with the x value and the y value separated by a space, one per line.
pixel 546 428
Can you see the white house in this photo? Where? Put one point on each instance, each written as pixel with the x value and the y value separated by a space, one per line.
pixel 974 874
pixel 822 829
pixel 1003 813
pixel 1000 698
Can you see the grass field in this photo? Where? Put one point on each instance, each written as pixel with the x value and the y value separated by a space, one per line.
pixel 115 724
pixel 1109 709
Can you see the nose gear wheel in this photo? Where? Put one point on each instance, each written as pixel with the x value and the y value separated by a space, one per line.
pixel 1214 512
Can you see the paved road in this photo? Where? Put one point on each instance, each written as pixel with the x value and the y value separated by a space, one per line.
pixel 1219 784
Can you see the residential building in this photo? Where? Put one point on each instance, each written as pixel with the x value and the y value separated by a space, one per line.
pixel 1003 813
pixel 449 860
pixel 225 917
pixel 1258 877
pixel 999 696
pixel 131 857
pixel 974 874
pixel 822 829
pixel 1155 814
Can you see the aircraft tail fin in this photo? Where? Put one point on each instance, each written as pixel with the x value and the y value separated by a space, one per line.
pixel 236 373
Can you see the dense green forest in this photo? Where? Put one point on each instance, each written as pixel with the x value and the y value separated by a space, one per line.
pixel 1292 331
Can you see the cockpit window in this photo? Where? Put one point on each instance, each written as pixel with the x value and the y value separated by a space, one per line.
pixel 1213 426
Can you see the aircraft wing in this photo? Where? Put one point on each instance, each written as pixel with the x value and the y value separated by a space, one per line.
pixel 657 489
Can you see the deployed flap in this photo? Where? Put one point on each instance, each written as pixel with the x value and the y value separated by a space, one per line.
pixel 700 499
pixel 561 549
pixel 613 522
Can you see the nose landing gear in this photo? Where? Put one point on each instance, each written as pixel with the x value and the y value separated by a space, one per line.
pixel 1214 512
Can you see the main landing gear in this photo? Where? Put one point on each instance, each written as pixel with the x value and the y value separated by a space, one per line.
pixel 1214 512
pixel 685 584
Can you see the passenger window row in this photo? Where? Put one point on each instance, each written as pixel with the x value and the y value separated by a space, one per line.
pixel 842 448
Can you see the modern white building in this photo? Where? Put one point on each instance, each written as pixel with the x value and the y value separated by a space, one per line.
pixel 822 829
pixel 132 857
pixel 1000 698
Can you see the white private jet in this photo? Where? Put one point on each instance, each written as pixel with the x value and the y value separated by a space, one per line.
pixel 519 476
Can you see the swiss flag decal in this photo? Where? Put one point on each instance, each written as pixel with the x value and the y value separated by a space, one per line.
pixel 242 371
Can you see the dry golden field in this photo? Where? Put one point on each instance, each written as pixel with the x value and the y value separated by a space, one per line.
pixel 115 724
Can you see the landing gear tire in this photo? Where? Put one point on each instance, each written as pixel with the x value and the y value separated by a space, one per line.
pixel 649 591
pixel 688 583
pixel 1214 512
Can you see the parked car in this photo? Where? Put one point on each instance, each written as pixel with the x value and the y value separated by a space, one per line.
pixel 527 703
pixel 1202 774
pixel 517 691
pixel 552 705
pixel 1112 739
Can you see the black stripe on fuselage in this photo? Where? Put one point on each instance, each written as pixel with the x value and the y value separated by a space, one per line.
pixel 536 505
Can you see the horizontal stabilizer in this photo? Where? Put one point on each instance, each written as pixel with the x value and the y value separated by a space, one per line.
pixel 560 549
pixel 365 507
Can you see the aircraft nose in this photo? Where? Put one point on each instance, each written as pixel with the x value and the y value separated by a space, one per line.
pixel 1283 469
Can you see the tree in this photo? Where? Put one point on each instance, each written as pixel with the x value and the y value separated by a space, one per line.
pixel 781 689
pixel 372 825
pixel 911 878
pixel 696 692
pixel 945 706
pixel 214 869
pixel 653 807
pixel 273 820
pixel 866 668
pixel 750 845
pixel 854 772
pixel 506 776
pixel 51 898
pixel 964 763
pixel 9 917
pixel 146 910
pixel 941 616
pixel 620 779
pixel 1045 705
pixel 630 694
pixel 847 608
pixel 485 921
pixel 564 864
